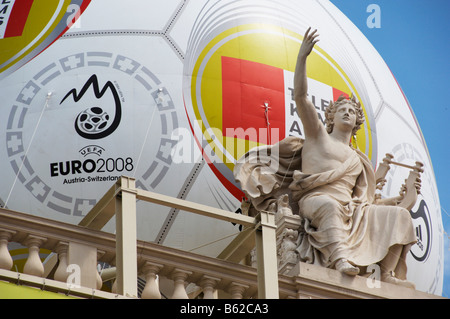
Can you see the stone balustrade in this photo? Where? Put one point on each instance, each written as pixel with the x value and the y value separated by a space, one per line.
pixel 78 249
pixel 68 242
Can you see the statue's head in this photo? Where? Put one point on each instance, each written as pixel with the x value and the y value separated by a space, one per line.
pixel 332 108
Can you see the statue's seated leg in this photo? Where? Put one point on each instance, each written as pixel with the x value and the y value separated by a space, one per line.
pixel 388 265
pixel 333 225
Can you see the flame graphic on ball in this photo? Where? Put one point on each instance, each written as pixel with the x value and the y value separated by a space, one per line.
pixel 93 123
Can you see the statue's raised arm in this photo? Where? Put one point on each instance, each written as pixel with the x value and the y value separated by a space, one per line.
pixel 305 109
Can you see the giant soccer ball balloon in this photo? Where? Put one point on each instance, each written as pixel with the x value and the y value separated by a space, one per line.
pixel 172 93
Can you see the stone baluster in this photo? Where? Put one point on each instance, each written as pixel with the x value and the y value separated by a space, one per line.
pixel 114 287
pixel 6 261
pixel 61 273
pixel 33 265
pixel 151 289
pixel 114 280
pixel 237 290
pixel 99 280
pixel 208 285
pixel 179 277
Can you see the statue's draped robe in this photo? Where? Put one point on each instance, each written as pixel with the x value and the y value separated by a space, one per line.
pixel 339 217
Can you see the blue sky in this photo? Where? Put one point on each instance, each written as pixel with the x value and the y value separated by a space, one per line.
pixel 413 40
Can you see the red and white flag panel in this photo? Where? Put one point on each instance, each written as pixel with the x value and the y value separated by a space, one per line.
pixel 13 16
pixel 259 97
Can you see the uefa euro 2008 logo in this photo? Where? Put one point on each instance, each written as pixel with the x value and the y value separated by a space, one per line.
pixel 95 108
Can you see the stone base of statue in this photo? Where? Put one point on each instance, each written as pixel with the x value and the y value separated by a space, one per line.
pixel 316 282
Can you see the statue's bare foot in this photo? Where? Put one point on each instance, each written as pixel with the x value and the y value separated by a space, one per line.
pixel 345 267
pixel 388 277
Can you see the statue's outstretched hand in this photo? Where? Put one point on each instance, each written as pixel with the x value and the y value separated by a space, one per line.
pixel 309 40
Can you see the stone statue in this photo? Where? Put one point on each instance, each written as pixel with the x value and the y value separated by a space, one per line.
pixel 332 187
